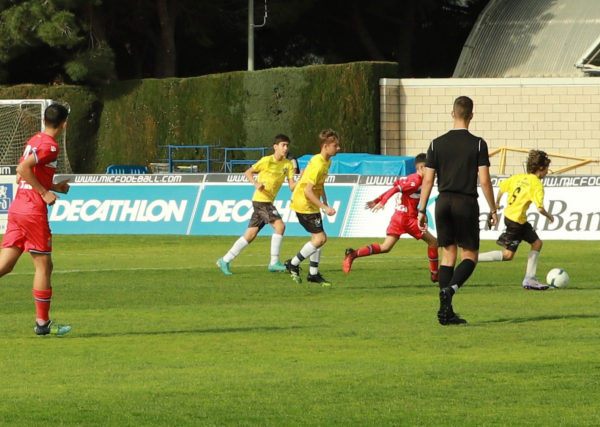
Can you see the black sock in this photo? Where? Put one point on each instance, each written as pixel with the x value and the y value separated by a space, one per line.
pixel 463 272
pixel 445 276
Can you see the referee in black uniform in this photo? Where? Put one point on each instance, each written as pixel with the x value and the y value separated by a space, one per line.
pixel 458 157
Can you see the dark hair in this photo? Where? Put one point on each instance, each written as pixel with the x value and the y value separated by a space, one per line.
pixel 279 138
pixel 55 115
pixel 327 136
pixel 463 107
pixel 420 158
pixel 537 160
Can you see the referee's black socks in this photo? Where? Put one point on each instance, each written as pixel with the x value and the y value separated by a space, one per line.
pixel 445 276
pixel 462 272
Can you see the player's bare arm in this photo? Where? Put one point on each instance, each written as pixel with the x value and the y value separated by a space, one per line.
pixel 426 187
pixel 250 175
pixel 488 192
pixel 548 215
pixel 61 187
pixel 292 183
pixel 310 195
pixel 25 169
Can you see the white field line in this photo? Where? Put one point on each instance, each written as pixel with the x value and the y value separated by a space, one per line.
pixel 102 270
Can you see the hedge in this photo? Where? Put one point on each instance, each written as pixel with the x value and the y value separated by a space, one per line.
pixel 124 122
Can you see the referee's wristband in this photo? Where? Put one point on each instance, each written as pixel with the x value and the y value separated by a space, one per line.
pixel 423 211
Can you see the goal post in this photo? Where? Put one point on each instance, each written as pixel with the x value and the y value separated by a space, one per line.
pixel 20 119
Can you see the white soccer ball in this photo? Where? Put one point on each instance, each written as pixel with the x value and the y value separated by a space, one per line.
pixel 557 278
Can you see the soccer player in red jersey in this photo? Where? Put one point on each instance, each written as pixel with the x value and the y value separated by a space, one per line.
pixel 403 221
pixel 28 229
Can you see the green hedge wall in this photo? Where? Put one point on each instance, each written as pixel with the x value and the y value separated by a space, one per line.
pixel 123 122
pixel 242 109
pixel 86 110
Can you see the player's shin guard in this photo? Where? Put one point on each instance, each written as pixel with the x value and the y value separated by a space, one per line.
pixel 239 245
pixel 532 263
pixel 306 251
pixel 432 254
pixel 373 249
pixel 42 303
pixel 276 240
pixel 314 262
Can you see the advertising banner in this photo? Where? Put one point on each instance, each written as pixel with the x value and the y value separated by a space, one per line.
pixel 221 204
pixel 126 204
pixel 8 189
pixel 572 200
pixel 226 206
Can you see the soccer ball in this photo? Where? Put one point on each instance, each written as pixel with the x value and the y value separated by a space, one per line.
pixel 557 278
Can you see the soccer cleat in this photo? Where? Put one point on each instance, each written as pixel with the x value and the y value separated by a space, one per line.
pixel 534 285
pixel 294 270
pixel 455 319
pixel 445 313
pixel 277 268
pixel 434 277
pixel 317 278
pixel 51 328
pixel 224 266
pixel 347 264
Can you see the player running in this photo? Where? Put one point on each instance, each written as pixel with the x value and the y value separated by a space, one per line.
pixel 307 200
pixel 403 221
pixel 523 189
pixel 28 229
pixel 272 171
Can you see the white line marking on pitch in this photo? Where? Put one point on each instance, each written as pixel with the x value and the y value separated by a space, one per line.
pixel 102 270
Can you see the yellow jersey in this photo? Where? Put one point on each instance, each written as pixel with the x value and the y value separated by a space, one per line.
pixel 272 174
pixel 522 189
pixel 316 173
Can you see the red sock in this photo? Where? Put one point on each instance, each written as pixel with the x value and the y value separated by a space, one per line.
pixel 432 253
pixel 42 303
pixel 373 249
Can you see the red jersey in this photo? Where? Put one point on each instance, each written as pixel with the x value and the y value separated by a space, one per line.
pixel 407 203
pixel 28 201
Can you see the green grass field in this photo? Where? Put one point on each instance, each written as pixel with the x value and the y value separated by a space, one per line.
pixel 161 337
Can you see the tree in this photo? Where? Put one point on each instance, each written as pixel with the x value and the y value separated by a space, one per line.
pixel 67 31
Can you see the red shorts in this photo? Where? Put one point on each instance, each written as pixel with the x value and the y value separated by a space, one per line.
pixel 401 224
pixel 30 233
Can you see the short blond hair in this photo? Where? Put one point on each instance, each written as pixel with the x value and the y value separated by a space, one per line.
pixel 327 136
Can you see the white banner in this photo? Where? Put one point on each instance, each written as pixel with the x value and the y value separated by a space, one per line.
pixel 575 205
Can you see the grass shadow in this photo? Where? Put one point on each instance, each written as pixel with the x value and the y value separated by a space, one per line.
pixel 542 318
pixel 191 331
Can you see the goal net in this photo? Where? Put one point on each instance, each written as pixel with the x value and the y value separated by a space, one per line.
pixel 20 119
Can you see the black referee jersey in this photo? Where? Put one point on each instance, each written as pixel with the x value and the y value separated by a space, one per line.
pixel 456 157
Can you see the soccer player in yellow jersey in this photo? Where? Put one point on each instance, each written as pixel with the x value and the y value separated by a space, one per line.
pixel 523 189
pixel 308 200
pixel 272 171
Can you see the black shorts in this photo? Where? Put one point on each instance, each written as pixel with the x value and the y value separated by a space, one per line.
pixel 264 213
pixel 457 220
pixel 515 233
pixel 313 223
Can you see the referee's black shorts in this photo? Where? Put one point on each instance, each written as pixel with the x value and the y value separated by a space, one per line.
pixel 457 220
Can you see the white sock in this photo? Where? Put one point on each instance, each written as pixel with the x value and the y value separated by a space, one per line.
pixel 235 250
pixel 532 262
pixel 314 262
pixel 306 251
pixel 455 287
pixel 490 256
pixel 276 240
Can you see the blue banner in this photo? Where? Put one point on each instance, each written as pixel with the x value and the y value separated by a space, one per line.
pixel 124 209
